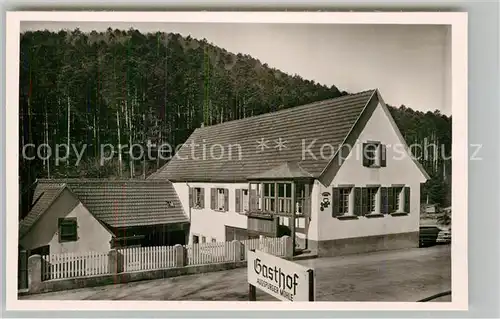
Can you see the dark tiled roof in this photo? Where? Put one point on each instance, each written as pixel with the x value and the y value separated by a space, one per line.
pixel 283 171
pixel 325 122
pixel 119 203
pixel 44 195
pixel 125 203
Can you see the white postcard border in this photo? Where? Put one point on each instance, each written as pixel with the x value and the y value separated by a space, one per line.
pixel 458 22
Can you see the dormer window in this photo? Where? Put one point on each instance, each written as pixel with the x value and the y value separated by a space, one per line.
pixel 374 154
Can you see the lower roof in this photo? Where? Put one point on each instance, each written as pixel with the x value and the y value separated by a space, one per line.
pixel 115 203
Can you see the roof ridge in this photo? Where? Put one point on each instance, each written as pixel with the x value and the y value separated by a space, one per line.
pixel 104 180
pixel 289 109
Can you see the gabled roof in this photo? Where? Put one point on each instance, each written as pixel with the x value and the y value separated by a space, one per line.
pixel 116 203
pixel 43 197
pixel 252 145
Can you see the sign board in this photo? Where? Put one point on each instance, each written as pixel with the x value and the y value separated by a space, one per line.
pixel 281 278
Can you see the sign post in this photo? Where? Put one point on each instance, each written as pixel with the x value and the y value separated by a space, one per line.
pixel 280 278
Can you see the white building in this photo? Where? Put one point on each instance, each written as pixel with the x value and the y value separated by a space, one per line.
pixel 336 173
pixel 96 215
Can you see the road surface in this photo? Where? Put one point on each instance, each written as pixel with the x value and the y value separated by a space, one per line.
pixel 403 275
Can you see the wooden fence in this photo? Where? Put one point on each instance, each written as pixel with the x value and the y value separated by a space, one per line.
pixel 147 258
pixel 210 253
pixel 68 265
pixel 71 265
pixel 273 246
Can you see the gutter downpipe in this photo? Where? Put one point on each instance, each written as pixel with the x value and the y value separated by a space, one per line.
pixel 189 213
pixel 189 204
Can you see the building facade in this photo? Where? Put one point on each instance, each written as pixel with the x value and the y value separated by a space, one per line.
pixel 96 215
pixel 337 175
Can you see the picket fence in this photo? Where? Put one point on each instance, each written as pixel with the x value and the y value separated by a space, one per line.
pixel 69 265
pixel 72 265
pixel 210 253
pixel 147 258
pixel 273 246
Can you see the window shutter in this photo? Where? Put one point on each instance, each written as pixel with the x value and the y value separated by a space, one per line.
pixel 383 155
pixel 366 160
pixel 191 197
pixel 358 201
pixel 384 200
pixel 407 199
pixel 226 199
pixel 213 198
pixel 237 200
pixel 202 197
pixel 391 200
pixel 364 201
pixel 335 201
pixel 253 199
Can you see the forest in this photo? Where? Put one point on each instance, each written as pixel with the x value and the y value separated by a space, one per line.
pixel 90 89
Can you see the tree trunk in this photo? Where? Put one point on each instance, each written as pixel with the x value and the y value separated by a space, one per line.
pixel 119 145
pixel 96 144
pixel 128 123
pixel 144 141
pixel 47 143
pixel 69 130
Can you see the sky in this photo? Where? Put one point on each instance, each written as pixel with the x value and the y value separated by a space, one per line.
pixel 409 64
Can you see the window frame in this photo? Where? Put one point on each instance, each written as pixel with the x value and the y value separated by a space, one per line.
pixel 74 223
pixel 377 156
pixel 270 199
pixel 217 193
pixel 197 199
pixel 398 200
pixel 284 201
pixel 345 203
pixel 218 205
pixel 375 191
pixel 245 200
pixel 371 162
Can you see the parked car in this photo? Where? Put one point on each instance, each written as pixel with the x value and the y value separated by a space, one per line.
pixel 434 234
pixel 428 235
pixel 444 236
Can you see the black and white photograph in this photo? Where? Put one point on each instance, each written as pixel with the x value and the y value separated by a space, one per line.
pixel 236 161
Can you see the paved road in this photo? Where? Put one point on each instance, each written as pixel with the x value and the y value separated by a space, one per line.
pixel 404 275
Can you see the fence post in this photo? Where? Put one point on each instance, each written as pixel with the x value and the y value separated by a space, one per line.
pixel 238 249
pixel 34 273
pixel 180 255
pixel 288 243
pixel 115 262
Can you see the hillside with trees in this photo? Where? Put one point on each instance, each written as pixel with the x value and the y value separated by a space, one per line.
pixel 126 87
